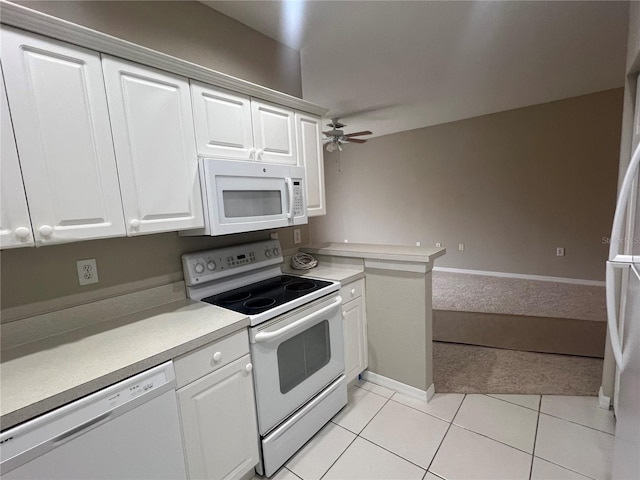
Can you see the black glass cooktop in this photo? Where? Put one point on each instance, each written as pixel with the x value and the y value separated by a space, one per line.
pixel 262 296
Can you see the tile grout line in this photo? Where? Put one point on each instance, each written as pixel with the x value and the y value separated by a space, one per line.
pixel 339 456
pixel 293 473
pixel 380 446
pixel 512 403
pixel 426 413
pixel 394 454
pixel 535 438
pixel 446 433
pixel 565 468
pixel 357 435
pixel 576 423
pixel 492 439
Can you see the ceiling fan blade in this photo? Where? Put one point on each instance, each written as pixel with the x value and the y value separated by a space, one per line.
pixel 354 140
pixel 366 132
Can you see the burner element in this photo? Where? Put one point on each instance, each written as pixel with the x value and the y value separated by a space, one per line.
pixel 300 286
pixel 234 297
pixel 260 302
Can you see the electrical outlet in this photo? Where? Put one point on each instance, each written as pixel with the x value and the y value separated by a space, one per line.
pixel 87 271
pixel 297 236
pixel 439 244
pixel 461 247
pixel 273 235
pixel 560 252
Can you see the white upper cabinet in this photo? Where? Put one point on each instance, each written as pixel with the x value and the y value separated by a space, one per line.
pixel 309 136
pixel 61 123
pixel 235 126
pixel 273 133
pixel 155 147
pixel 15 226
pixel 223 122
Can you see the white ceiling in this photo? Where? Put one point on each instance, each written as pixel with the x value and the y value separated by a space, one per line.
pixel 390 66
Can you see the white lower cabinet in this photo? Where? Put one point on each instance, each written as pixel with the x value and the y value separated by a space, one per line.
pixel 218 413
pixel 355 329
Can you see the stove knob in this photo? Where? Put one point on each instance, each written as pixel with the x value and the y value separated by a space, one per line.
pixel 211 265
pixel 199 268
pixel 276 251
pixel 267 253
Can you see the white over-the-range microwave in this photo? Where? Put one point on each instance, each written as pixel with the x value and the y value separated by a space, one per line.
pixel 247 196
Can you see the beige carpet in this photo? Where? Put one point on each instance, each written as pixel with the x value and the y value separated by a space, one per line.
pixel 461 368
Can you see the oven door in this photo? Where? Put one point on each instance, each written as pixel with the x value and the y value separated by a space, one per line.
pixel 248 196
pixel 295 357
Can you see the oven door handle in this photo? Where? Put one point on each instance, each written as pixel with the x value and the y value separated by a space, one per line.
pixel 266 336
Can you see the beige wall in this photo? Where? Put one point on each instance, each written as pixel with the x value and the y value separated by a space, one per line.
pixel 633 44
pixel 511 186
pixel 188 30
pixel 32 278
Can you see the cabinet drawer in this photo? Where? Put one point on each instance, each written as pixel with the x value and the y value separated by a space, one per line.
pixel 352 290
pixel 196 364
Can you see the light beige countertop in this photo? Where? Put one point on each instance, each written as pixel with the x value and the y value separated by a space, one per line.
pixel 378 252
pixel 50 372
pixel 338 274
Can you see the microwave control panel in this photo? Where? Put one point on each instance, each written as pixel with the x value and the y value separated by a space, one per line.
pixel 298 199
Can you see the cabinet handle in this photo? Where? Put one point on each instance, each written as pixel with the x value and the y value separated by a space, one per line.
pixel 22 232
pixel 353 292
pixel 135 224
pixel 344 313
pixel 248 368
pixel 252 153
pixel 45 230
pixel 217 358
pixel 259 153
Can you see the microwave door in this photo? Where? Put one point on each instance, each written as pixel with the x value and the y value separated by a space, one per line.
pixel 247 204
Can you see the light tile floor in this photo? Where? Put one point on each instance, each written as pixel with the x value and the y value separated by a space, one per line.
pixel 382 434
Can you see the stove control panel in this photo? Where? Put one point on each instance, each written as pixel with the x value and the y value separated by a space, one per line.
pixel 210 265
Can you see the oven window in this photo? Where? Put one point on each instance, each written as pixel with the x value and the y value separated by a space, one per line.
pixel 251 203
pixel 303 355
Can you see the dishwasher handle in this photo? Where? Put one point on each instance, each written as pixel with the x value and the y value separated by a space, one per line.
pixel 80 429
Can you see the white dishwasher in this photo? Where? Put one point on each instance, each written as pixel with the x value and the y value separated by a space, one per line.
pixel 130 430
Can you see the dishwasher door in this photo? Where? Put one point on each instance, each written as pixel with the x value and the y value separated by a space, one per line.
pixel 130 430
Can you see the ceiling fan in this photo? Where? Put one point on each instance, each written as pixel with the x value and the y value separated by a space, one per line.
pixel 336 138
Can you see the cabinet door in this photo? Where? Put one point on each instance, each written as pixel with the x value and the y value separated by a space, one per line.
pixel 273 133
pixel 223 122
pixel 155 147
pixel 61 122
pixel 309 135
pixel 15 226
pixel 219 423
pixel 355 338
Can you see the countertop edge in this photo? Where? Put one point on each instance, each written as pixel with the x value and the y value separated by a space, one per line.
pixel 383 252
pixel 28 412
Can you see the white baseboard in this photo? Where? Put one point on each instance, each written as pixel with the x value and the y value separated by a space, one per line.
pixel 399 386
pixel 603 401
pixel 522 276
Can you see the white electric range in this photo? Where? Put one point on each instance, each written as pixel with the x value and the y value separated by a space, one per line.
pixel 296 340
